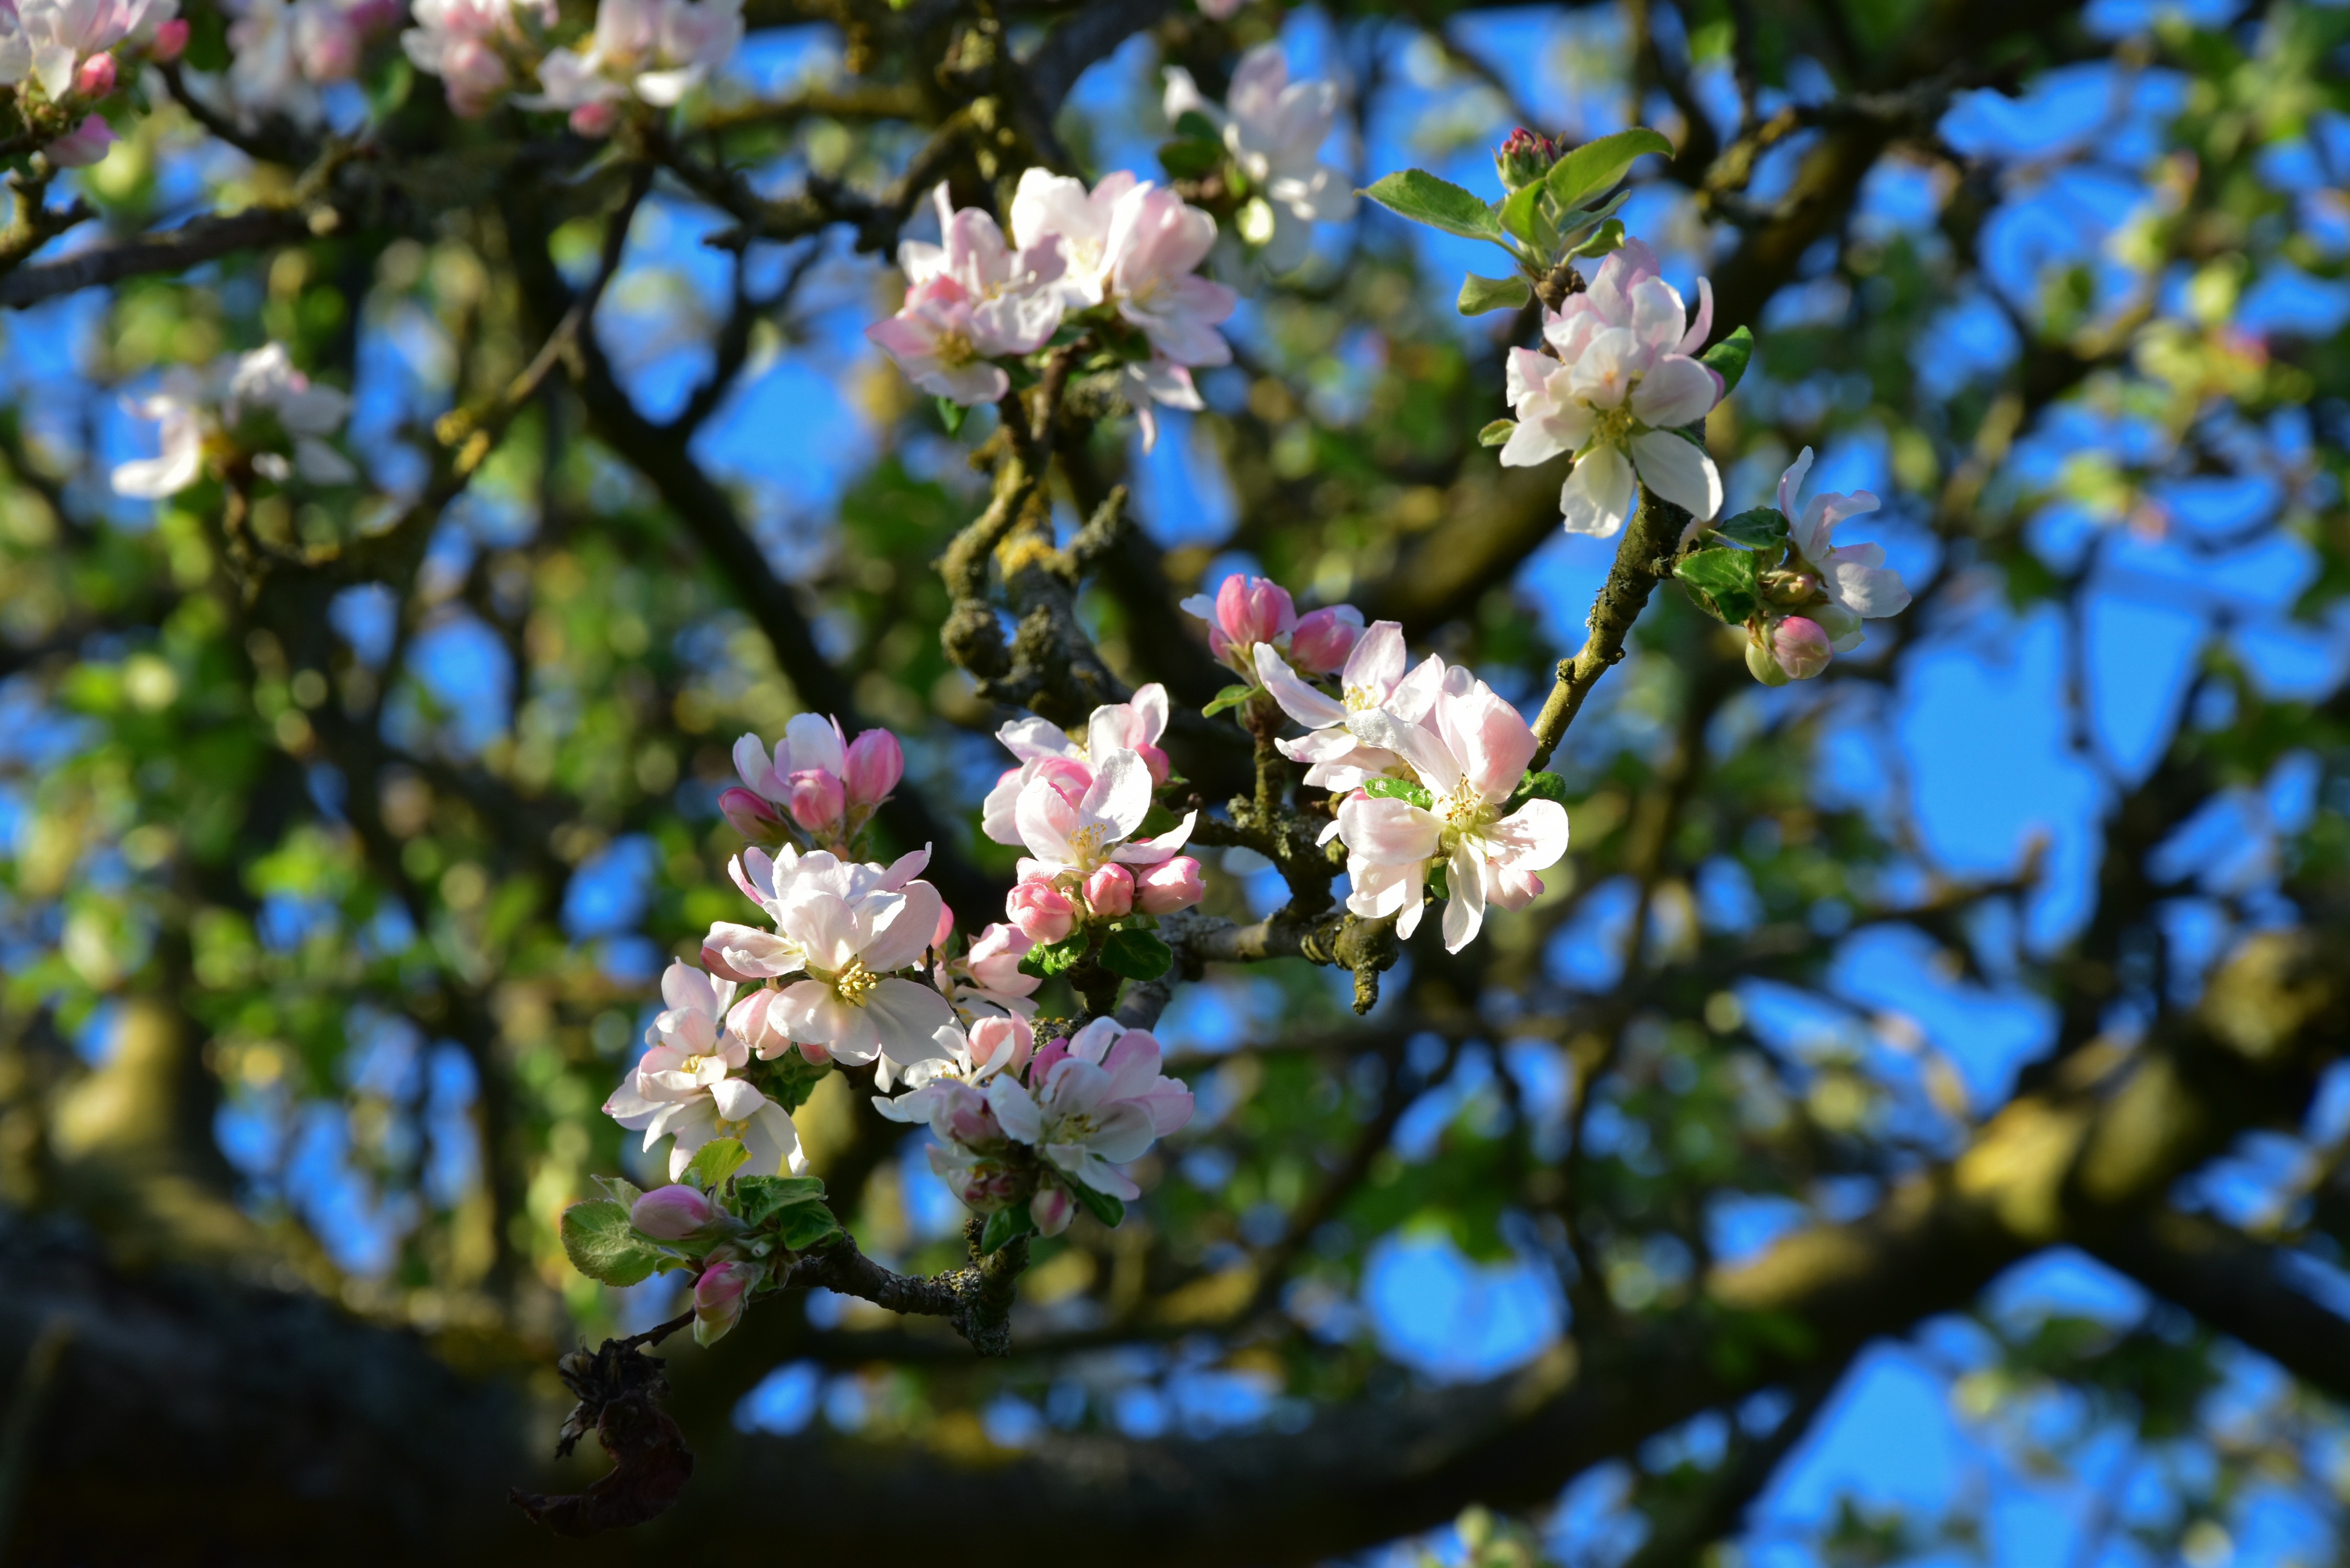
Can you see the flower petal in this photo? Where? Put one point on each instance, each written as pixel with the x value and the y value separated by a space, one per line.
pixel 1680 470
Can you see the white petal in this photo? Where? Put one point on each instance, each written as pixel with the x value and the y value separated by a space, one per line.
pixel 1680 470
pixel 1597 496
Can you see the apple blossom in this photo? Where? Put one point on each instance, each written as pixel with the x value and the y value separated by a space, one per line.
pixel 1324 637
pixel 50 39
pixel 463 42
pixel 1624 382
pixel 1373 677
pixel 1044 748
pixel 815 779
pixel 1040 910
pixel 255 403
pixel 1274 129
pixel 1077 835
pixel 1052 1210
pixel 1092 1104
pixel 986 982
pixel 656 51
pixel 1156 243
pixel 1110 891
pixel 1245 611
pixel 1172 885
pixel 170 41
pixel 95 78
pixel 1048 208
pixel 84 145
pixel 671 1213
pixel 857 936
pixel 1469 759
pixel 720 1294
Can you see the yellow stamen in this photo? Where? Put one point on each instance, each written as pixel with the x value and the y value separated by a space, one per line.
pixel 856 982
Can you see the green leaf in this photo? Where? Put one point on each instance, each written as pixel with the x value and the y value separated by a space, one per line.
pixel 1761 528
pixel 1542 786
pixel 1479 294
pixel 1607 237
pixel 1401 789
pixel 1726 583
pixel 713 1162
pixel 1190 159
pixel 1193 126
pixel 759 1198
pixel 803 1225
pixel 1100 1205
pixel 1046 962
pixel 1518 212
pixel 952 414
pixel 1137 955
pixel 1229 696
pixel 1728 357
pixel 603 1245
pixel 1005 1225
pixel 1423 198
pixel 1498 433
pixel 622 1192
pixel 1595 165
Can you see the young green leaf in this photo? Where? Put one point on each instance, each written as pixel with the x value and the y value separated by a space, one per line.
pixel 758 1197
pixel 803 1225
pixel 1100 1205
pixel 713 1162
pixel 622 1192
pixel 1188 160
pixel 1595 165
pixel 1005 1225
pixel 1726 583
pixel 1046 962
pixel 603 1245
pixel 1761 528
pixel 1497 433
pixel 950 414
pixel 1229 696
pixel 1729 357
pixel 1400 789
pixel 1518 212
pixel 1479 294
pixel 1137 955
pixel 1604 239
pixel 1541 786
pixel 1193 126
pixel 1423 198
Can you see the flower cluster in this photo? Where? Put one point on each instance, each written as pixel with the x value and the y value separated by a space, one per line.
pixel 1274 130
pixel 816 788
pixel 1032 1133
pixel 655 51
pixel 1250 613
pixel 67 56
pixel 691 1083
pixel 245 411
pixel 283 51
pixel 1118 263
pixel 475 47
pixel 1811 606
pixel 1617 382
pixel 1076 806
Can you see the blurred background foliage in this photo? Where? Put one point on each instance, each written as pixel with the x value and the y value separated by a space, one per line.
pixel 338 855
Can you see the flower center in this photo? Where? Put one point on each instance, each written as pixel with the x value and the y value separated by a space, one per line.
pixel 1464 809
pixel 955 350
pixel 1358 699
pixel 1614 426
pixel 1086 841
pixel 855 983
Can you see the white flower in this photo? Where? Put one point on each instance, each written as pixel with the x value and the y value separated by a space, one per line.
pixel 987 980
pixel 1054 207
pixel 1373 677
pixel 856 935
pixel 1094 1106
pixel 1623 384
pixel 1069 830
pixel 1275 129
pixel 52 37
pixel 657 50
pixel 462 42
pixel 1016 300
pixel 1469 757
pixel 1157 242
pixel 1856 578
pixel 1043 746
pixel 227 397
pixel 181 463
pixel 681 1087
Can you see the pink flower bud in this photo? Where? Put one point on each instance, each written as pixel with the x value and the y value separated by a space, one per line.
pixel 750 815
pixel 170 41
pixel 95 77
pixel 966 1117
pixel 1040 911
pixel 671 1213
pixel 1250 610
pixel 1169 885
pixel 818 800
pixel 1052 1208
pixel 816 1053
pixel 327 43
pixel 994 960
pixel 85 144
pixel 1800 647
pixel 595 120
pixel 718 1297
pixel 1322 639
pixel 876 763
pixel 1154 760
pixel 476 76
pixel 1013 1039
pixel 755 1021
pixel 1110 891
